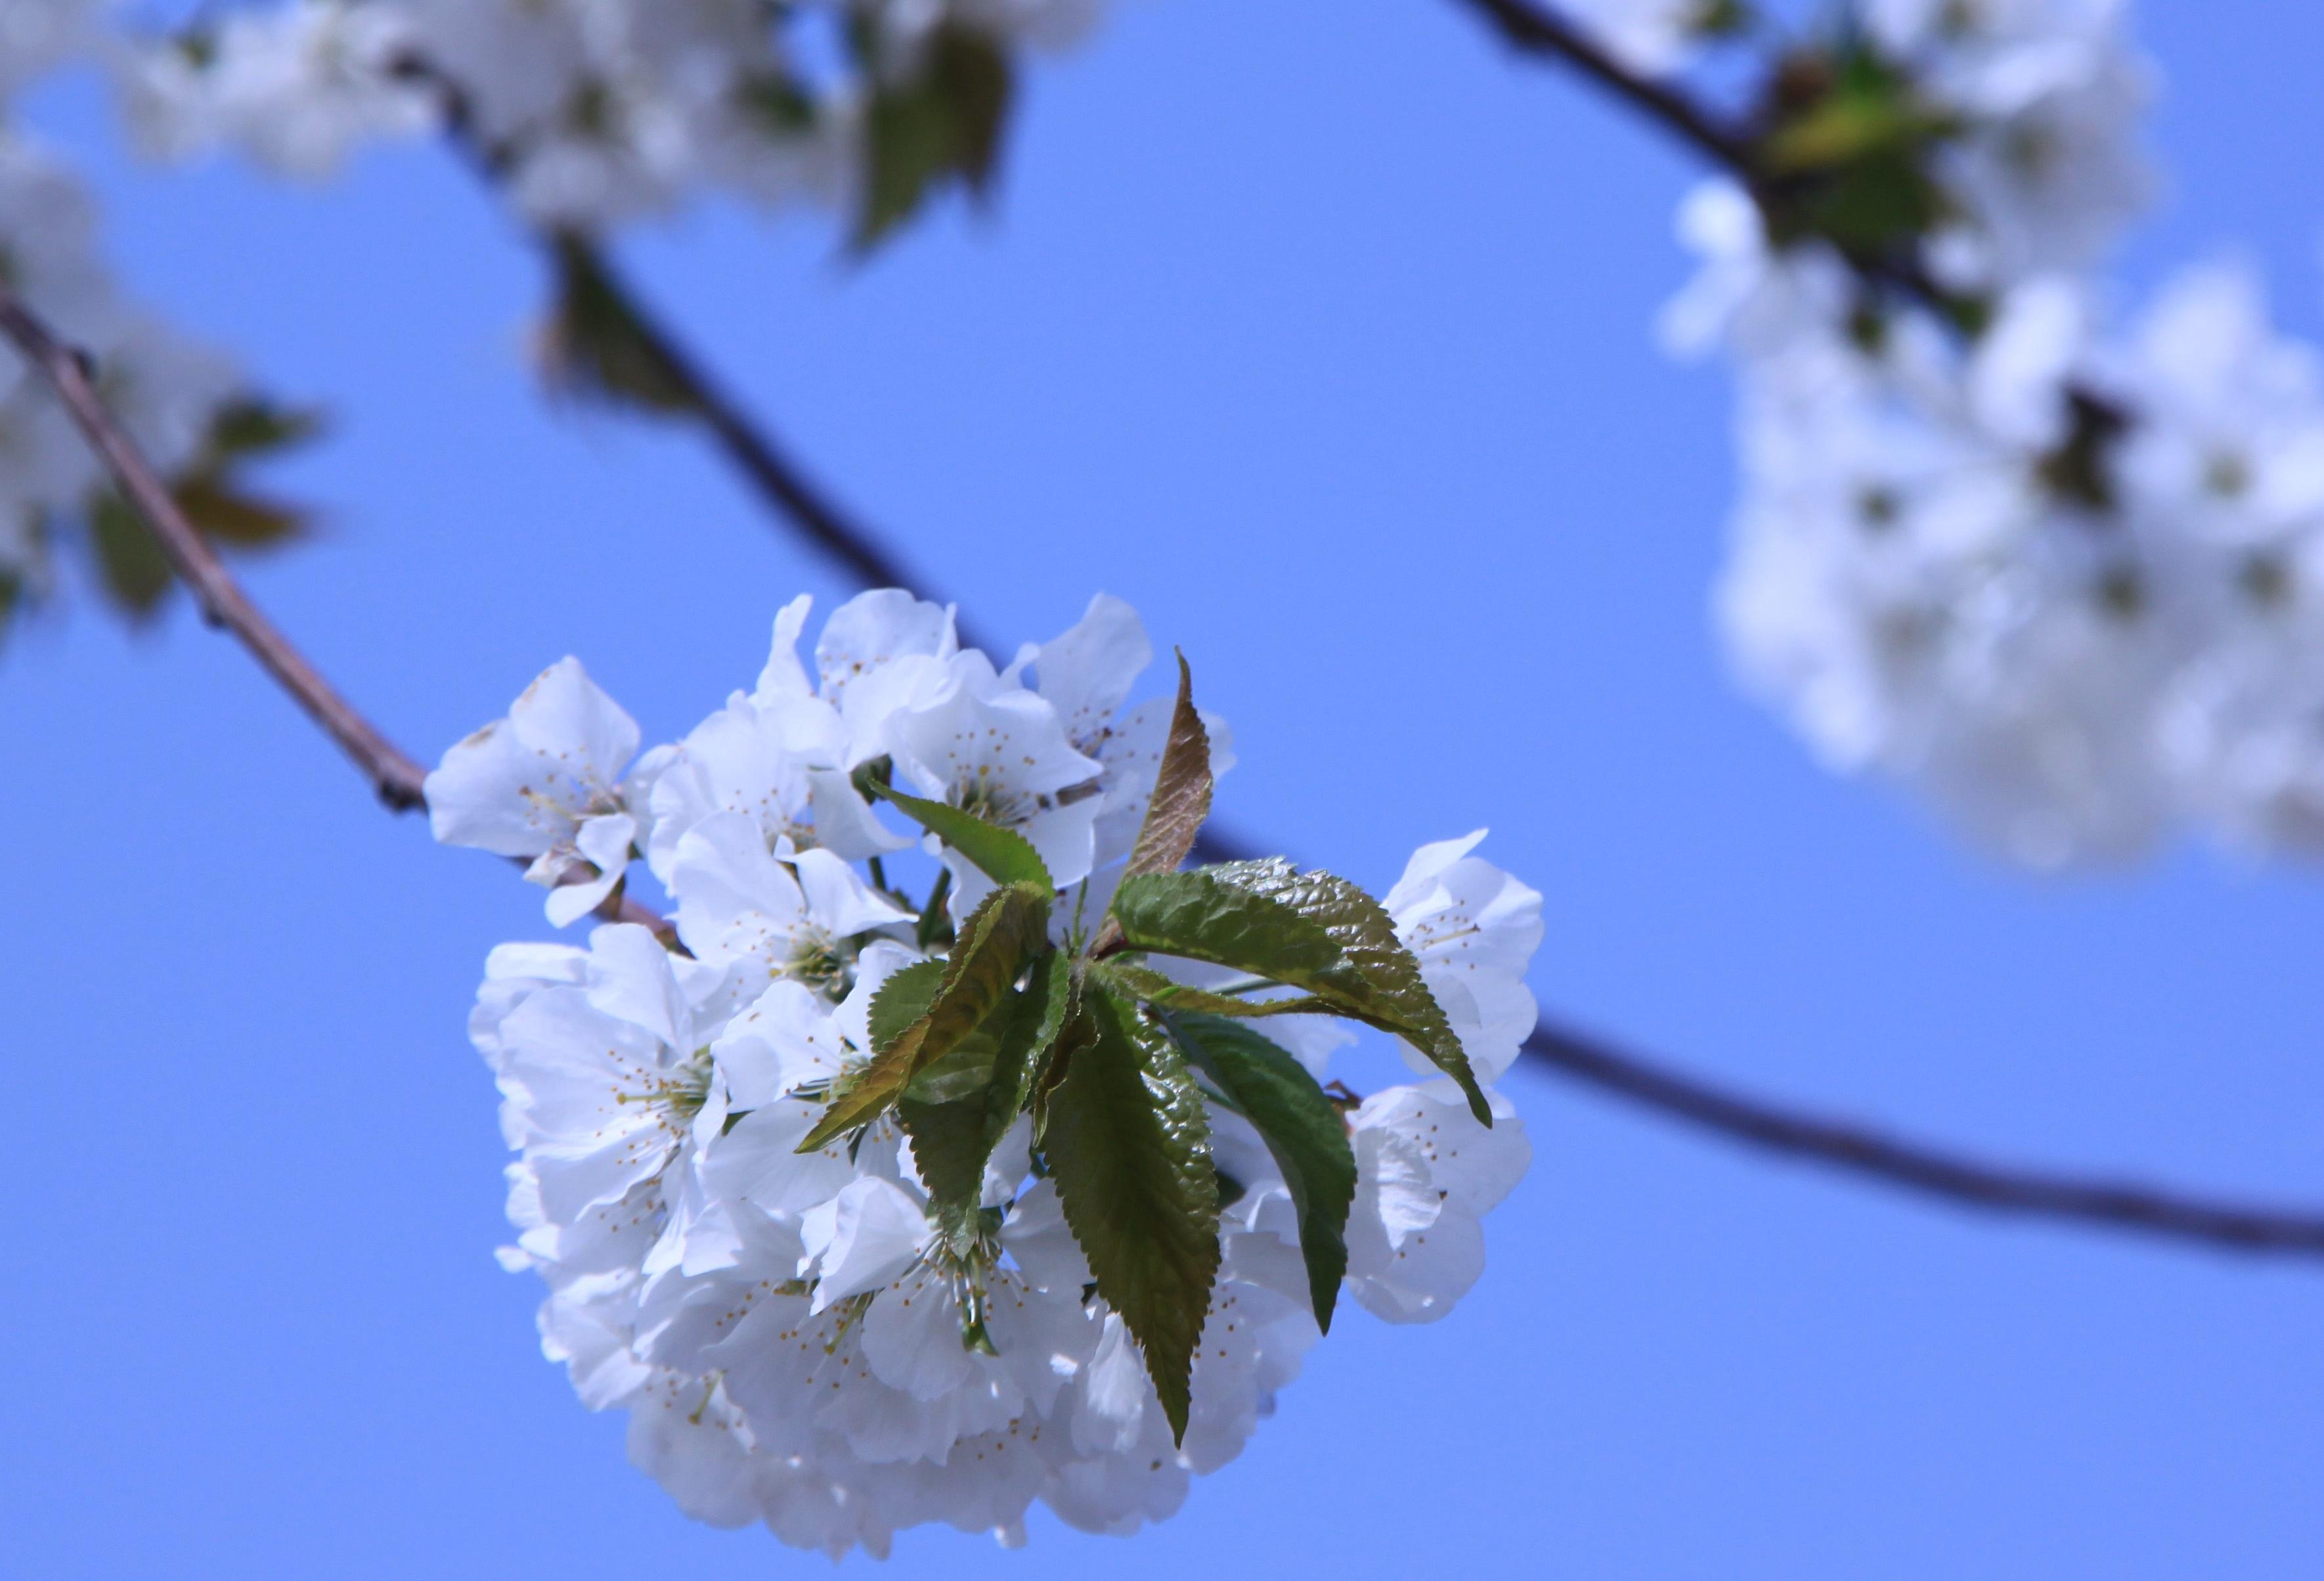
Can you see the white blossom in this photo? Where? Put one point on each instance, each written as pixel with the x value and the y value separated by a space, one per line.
pixel 545 785
pixel 805 1338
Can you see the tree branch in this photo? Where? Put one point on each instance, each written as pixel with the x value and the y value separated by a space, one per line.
pixel 1535 30
pixel 1836 1144
pixel 221 600
pixel 1914 1167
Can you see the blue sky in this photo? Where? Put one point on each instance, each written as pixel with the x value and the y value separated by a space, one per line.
pixel 1320 333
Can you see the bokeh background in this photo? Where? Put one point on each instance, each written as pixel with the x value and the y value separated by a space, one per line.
pixel 1321 332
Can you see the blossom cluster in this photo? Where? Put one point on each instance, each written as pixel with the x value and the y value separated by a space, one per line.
pixel 2055 567
pixel 169 390
pixel 801 1328
pixel 596 111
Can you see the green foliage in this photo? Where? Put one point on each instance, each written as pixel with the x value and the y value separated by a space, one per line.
pixel 1001 854
pixel 135 573
pixel 1302 1128
pixel 1204 918
pixel 594 346
pixel 957 1109
pixel 1144 983
pixel 250 427
pixel 1387 991
pixel 1000 940
pixel 1848 155
pixel 1310 931
pixel 1130 1147
pixel 938 121
pixel 903 999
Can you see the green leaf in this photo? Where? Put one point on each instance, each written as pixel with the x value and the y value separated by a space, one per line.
pixel 1001 854
pixel 1181 789
pixel 942 123
pixel 1303 1128
pixel 903 999
pixel 1310 931
pixel 1201 916
pixel 957 1110
pixel 245 520
pixel 136 574
pixel 778 104
pixel 1067 1029
pixel 1129 1148
pixel 1393 996
pixel 592 345
pixel 251 426
pixel 1001 938
pixel 1144 983
pixel 1849 153
pixel 12 598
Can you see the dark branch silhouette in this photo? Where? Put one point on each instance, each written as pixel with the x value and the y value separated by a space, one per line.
pixel 1966 1181
pixel 1535 30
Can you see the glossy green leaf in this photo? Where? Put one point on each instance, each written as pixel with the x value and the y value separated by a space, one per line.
pixel 1389 991
pixel 1302 1127
pixel 957 1110
pixel 1001 854
pixel 903 999
pixel 1204 918
pixel 996 942
pixel 1129 1148
pixel 1144 983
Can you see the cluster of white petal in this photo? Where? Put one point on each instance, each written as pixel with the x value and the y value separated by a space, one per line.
pixel 165 387
pixel 594 111
pixel 2060 574
pixel 793 1341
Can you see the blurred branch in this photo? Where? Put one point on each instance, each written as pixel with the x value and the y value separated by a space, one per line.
pixel 1535 30
pixel 1970 1182
pixel 220 597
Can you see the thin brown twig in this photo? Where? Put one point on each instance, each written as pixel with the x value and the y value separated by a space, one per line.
pixel 1837 1144
pixel 220 598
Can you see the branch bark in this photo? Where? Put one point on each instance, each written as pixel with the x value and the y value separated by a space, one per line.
pixel 1535 30
pixel 1965 1181
pixel 220 598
